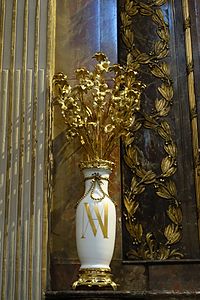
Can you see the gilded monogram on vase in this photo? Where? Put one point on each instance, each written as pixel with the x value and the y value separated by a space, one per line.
pixel 96 219
pixel 151 241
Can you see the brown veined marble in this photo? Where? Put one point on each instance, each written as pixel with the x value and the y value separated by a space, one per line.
pixel 83 27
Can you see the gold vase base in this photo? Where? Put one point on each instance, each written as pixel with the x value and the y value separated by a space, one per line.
pixel 94 278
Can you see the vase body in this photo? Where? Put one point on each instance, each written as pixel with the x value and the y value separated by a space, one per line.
pixel 95 229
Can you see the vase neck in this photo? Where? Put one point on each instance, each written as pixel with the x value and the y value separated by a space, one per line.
pixel 96 179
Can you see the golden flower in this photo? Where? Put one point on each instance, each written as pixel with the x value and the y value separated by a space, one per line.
pixel 97 106
pixel 131 72
pixel 66 88
pixel 82 72
pixel 59 77
pixel 83 87
pixel 89 83
pixel 103 66
pixel 109 128
pixel 100 56
pixel 60 84
pixel 116 68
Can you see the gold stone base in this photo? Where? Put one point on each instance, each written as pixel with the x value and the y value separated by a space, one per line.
pixel 95 278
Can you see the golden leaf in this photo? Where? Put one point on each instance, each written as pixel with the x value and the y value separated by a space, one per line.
pixel 140 189
pixel 128 161
pixel 159 13
pixel 129 59
pixel 172 188
pixel 140 172
pixel 163 133
pixel 163 33
pixel 162 107
pixel 126 41
pixel 156 20
pixel 175 214
pixel 159 47
pixel 129 140
pixel 171 149
pixel 143 58
pixel 130 229
pixel 163 192
pixel 170 172
pixel 135 52
pixel 133 154
pixel 164 112
pixel 138 232
pixel 136 126
pixel 167 166
pixel 156 71
pixel 143 5
pixel 135 65
pixel 133 11
pixel 147 255
pixel 165 69
pixel 126 20
pixel 150 241
pixel 150 122
pixel 133 184
pixel 163 253
pixel 176 254
pixel 172 234
pixel 149 177
pixel 129 5
pixel 135 187
pixel 160 104
pixel 166 91
pixel 131 206
pixel 167 191
pixel 159 2
pixel 166 127
pixel 129 35
pixel 163 53
pixel 145 12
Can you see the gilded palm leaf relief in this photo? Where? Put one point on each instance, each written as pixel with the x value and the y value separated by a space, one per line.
pixel 158 242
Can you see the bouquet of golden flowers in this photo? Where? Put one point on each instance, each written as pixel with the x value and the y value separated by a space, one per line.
pixel 101 107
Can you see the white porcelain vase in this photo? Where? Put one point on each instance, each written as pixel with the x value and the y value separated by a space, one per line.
pixel 95 227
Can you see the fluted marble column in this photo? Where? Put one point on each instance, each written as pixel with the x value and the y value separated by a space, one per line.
pixel 26 65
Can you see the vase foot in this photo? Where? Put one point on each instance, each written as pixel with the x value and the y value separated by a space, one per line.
pixel 95 278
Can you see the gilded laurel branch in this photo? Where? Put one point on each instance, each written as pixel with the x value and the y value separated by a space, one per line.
pixel 146 245
pixel 95 110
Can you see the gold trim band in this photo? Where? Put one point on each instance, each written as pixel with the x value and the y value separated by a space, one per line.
pixel 187 23
pixel 190 67
pixel 98 164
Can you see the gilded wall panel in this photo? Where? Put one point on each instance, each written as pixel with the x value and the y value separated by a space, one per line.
pixel 158 203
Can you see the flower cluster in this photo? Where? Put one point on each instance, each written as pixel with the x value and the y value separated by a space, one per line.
pixel 101 107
